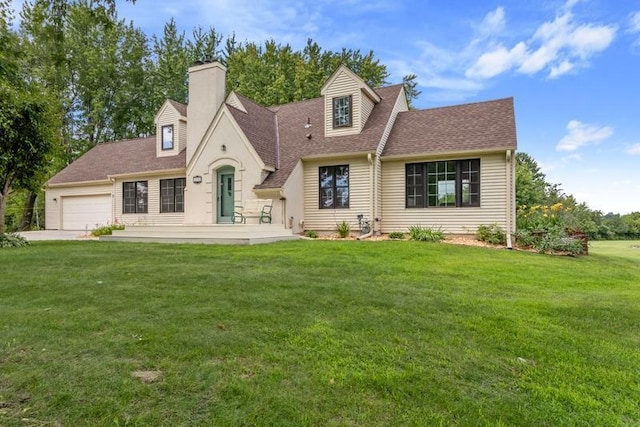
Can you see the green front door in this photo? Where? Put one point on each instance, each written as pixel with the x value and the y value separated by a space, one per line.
pixel 225 194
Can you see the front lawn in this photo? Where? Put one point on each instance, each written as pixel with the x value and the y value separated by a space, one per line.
pixel 316 333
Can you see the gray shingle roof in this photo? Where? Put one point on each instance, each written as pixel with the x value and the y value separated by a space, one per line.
pixel 479 126
pixel 120 157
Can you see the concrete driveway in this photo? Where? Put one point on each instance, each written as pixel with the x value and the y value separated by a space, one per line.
pixel 56 235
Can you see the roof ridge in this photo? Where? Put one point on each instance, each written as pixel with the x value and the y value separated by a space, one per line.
pixel 444 107
pixel 173 101
pixel 245 98
pixel 117 141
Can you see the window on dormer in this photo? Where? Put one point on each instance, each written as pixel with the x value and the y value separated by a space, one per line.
pixel 167 137
pixel 342 111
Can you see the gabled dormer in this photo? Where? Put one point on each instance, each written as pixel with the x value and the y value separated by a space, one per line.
pixel 171 128
pixel 348 102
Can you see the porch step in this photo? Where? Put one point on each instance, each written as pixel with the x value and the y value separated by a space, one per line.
pixel 237 234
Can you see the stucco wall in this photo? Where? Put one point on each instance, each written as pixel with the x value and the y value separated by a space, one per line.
pixel 201 199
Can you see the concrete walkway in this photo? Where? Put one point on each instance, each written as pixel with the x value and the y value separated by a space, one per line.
pixel 55 235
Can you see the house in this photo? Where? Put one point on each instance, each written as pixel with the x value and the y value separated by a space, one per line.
pixel 354 151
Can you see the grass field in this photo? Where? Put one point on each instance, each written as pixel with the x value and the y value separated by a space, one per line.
pixel 317 333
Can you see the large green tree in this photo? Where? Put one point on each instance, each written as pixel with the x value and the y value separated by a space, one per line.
pixel 27 120
pixel 272 74
pixel 531 185
pixel 96 64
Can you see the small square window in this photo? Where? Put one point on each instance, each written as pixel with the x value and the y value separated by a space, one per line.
pixel 167 137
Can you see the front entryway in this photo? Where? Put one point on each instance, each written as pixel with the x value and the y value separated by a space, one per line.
pixel 225 198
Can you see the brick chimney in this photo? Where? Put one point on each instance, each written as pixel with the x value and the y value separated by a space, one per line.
pixel 206 95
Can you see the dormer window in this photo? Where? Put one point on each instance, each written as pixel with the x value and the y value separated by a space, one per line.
pixel 342 111
pixel 167 137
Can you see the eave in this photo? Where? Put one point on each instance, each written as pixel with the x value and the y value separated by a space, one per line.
pixel 148 173
pixel 78 183
pixel 445 154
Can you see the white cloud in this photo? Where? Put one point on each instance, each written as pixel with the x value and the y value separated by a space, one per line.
pixel 496 62
pixel 581 134
pixel 634 22
pixel 634 150
pixel 557 47
pixel 634 27
pixel 493 23
pixel 560 69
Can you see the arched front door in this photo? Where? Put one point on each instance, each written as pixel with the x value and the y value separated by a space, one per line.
pixel 225 191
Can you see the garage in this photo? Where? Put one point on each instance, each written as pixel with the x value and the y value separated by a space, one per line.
pixel 86 212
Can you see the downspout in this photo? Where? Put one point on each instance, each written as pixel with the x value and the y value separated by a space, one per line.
pixel 371 198
pixel 283 199
pixel 510 201
pixel 113 199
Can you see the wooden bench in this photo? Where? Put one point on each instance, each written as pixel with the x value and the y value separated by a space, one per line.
pixel 253 208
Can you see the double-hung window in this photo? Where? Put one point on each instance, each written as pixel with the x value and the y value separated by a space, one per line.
pixel 134 197
pixel 342 111
pixel 172 195
pixel 454 183
pixel 334 187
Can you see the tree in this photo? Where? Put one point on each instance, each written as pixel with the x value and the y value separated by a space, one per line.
pixel 531 186
pixel 410 88
pixel 95 64
pixel 170 62
pixel 27 122
pixel 273 74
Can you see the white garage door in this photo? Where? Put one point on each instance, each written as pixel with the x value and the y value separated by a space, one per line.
pixel 85 212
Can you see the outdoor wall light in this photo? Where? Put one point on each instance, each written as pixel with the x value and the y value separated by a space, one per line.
pixel 197 179
pixel 223 147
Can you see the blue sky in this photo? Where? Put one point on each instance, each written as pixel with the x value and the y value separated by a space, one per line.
pixel 573 67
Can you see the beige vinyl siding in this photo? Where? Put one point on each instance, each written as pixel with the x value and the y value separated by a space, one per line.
pixel 293 191
pixel 359 195
pixel 53 208
pixel 493 200
pixel 182 135
pixel 170 116
pixel 343 85
pixel 367 107
pixel 400 105
pixel 153 215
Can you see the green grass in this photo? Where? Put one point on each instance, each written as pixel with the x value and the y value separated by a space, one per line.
pixel 317 333
pixel 629 249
